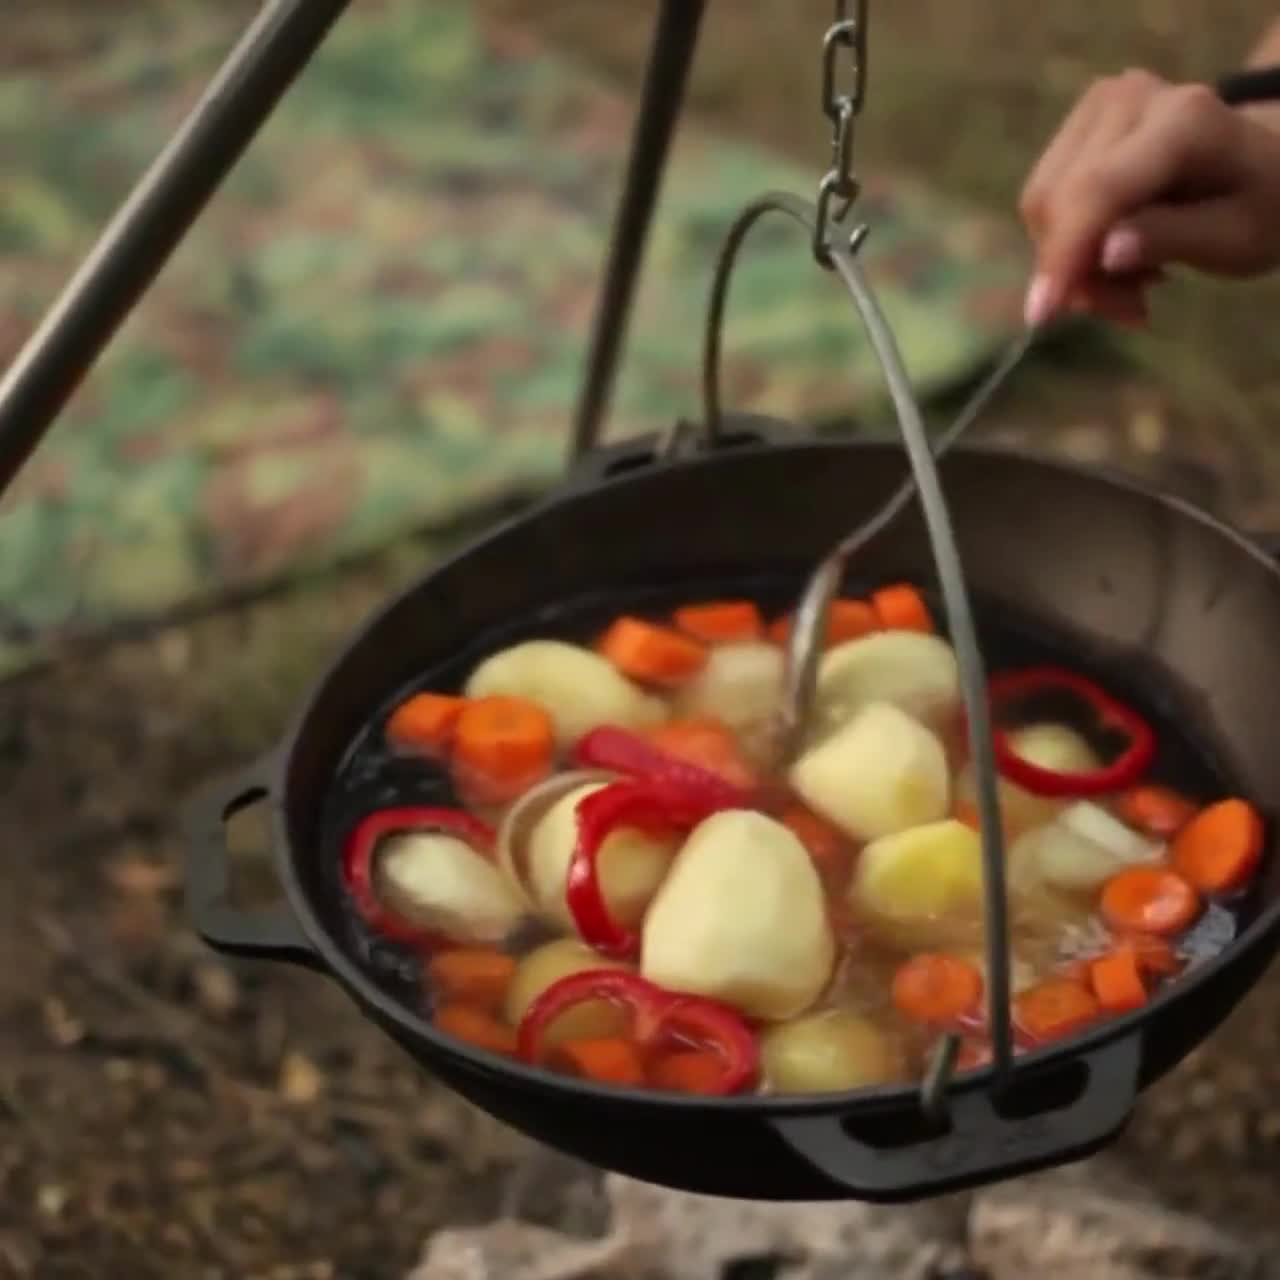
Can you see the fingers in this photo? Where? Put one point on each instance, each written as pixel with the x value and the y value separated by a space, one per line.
pixel 1181 144
pixel 1107 110
pixel 1219 235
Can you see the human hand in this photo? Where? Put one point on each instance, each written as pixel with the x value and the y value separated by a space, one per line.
pixel 1144 174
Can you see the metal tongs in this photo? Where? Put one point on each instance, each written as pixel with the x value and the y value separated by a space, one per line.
pixel 804 649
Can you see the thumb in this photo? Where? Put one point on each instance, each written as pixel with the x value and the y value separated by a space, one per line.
pixel 1217 235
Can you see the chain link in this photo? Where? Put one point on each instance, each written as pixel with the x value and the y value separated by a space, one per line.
pixel 839 187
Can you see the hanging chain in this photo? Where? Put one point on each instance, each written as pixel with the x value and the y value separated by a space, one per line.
pixel 845 40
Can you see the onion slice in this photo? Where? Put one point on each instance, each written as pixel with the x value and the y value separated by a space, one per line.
pixel 518 823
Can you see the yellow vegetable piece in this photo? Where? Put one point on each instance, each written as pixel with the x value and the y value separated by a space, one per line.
pixel 828 1052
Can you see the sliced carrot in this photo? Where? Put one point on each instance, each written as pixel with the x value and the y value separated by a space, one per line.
pixel 1080 971
pixel 689 1071
pixel 937 989
pixel 706 743
pixel 606 1061
pixel 501 747
pixel 1149 900
pixel 476 1027
pixel 1155 810
pixel 1155 956
pixel 721 622
pixel 1220 848
pixel 426 722
pixel 657 655
pixel 901 608
pixel 1117 982
pixel 1052 1009
pixel 847 620
pixel 471 975
pixel 824 842
pixel 973 1055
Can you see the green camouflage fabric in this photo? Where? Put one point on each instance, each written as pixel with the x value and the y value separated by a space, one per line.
pixel 379 326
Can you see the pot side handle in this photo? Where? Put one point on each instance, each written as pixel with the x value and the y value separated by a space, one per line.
pixel 271 933
pixel 981 1145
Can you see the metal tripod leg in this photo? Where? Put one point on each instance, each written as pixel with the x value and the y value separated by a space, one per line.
pixel 674 42
pixel 153 220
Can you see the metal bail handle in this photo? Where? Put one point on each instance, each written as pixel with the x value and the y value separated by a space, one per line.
pixel 841 244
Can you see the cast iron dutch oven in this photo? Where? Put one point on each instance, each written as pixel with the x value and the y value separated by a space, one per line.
pixel 1121 570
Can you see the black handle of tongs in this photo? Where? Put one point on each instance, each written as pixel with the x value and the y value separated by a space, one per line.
pixel 1254 84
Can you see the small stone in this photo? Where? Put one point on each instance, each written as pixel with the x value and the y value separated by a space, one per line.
pixel 1148 431
pixel 63 1027
pixel 216 989
pixel 119 1070
pixel 51 1199
pixel 301 1081
pixel 1086 442
pixel 133 873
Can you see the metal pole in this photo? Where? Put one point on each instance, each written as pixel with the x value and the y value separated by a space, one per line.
pixel 674 42
pixel 152 221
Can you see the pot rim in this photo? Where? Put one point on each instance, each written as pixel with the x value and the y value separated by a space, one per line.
pixel 365 991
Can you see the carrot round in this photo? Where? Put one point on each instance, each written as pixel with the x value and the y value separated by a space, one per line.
pixel 425 722
pixel 650 653
pixel 501 747
pixel 937 989
pixel 476 1027
pixel 824 842
pixel 1220 848
pixel 901 608
pixel 471 975
pixel 1052 1009
pixel 689 1071
pixel 847 620
pixel 1149 900
pixel 707 743
pixel 1116 979
pixel 721 621
pixel 607 1061
pixel 1155 810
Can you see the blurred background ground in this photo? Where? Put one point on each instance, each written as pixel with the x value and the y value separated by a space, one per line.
pixel 163 1114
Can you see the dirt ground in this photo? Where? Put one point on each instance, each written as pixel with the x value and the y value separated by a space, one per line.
pixel 165 1114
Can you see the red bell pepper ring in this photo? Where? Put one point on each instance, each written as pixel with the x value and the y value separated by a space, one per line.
pixel 622 752
pixel 359 861
pixel 657 808
pixel 659 1019
pixel 1107 713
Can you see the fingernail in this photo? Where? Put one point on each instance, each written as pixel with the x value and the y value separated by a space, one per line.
pixel 1041 302
pixel 1122 251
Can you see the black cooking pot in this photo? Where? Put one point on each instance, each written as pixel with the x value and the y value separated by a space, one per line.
pixel 1121 570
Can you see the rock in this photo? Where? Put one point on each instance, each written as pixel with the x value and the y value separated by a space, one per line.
pixel 1088 1222
pixel 1071 1225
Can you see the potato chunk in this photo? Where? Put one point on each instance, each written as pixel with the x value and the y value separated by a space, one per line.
pixel 578 689
pixel 741 686
pixel 442 884
pixel 923 887
pixel 828 1052
pixel 741 918
pixel 631 864
pixel 878 774
pixel 544 967
pixel 917 673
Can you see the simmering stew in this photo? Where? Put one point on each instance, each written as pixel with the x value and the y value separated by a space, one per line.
pixel 578 851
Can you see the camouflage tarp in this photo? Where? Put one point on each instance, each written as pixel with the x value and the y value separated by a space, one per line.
pixel 381 321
